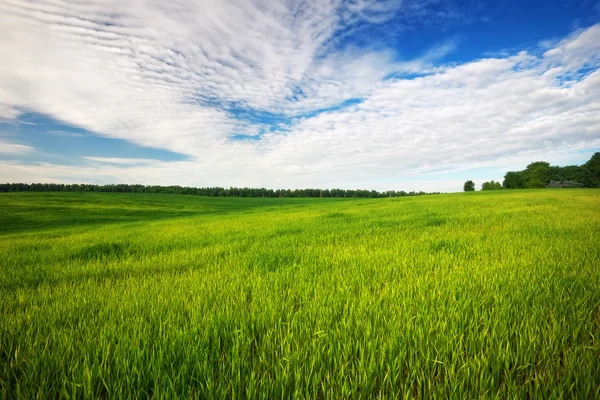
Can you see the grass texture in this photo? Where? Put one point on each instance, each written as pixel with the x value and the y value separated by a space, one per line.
pixel 478 295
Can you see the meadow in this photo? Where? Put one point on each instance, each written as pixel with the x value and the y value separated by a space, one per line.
pixel 470 295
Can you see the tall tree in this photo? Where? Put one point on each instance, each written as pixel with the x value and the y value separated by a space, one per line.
pixel 537 174
pixel 592 168
pixel 514 180
pixel 469 186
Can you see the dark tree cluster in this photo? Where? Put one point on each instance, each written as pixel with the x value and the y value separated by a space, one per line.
pixel 539 174
pixel 207 191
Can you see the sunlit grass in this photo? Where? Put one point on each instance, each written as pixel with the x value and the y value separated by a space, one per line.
pixel 462 296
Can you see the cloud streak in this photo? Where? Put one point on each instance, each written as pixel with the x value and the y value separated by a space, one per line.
pixel 12 149
pixel 121 161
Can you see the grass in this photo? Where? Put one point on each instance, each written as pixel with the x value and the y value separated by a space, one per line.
pixel 481 295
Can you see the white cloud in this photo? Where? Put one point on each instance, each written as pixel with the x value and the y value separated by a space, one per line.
pixel 164 74
pixel 63 133
pixel 122 161
pixel 7 148
pixel 7 112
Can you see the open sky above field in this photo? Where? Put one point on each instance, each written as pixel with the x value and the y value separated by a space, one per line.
pixel 412 95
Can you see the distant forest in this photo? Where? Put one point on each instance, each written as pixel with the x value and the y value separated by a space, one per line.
pixel 541 174
pixel 207 191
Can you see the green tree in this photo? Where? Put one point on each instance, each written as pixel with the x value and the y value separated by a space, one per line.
pixel 469 186
pixel 592 168
pixel 514 180
pixel 570 173
pixel 537 174
pixel 491 185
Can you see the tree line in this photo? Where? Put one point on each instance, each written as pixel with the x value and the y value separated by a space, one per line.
pixel 202 191
pixel 541 174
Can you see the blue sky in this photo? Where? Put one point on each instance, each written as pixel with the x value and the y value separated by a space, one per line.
pixel 406 95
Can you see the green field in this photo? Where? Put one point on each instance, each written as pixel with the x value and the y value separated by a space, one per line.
pixel 492 295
